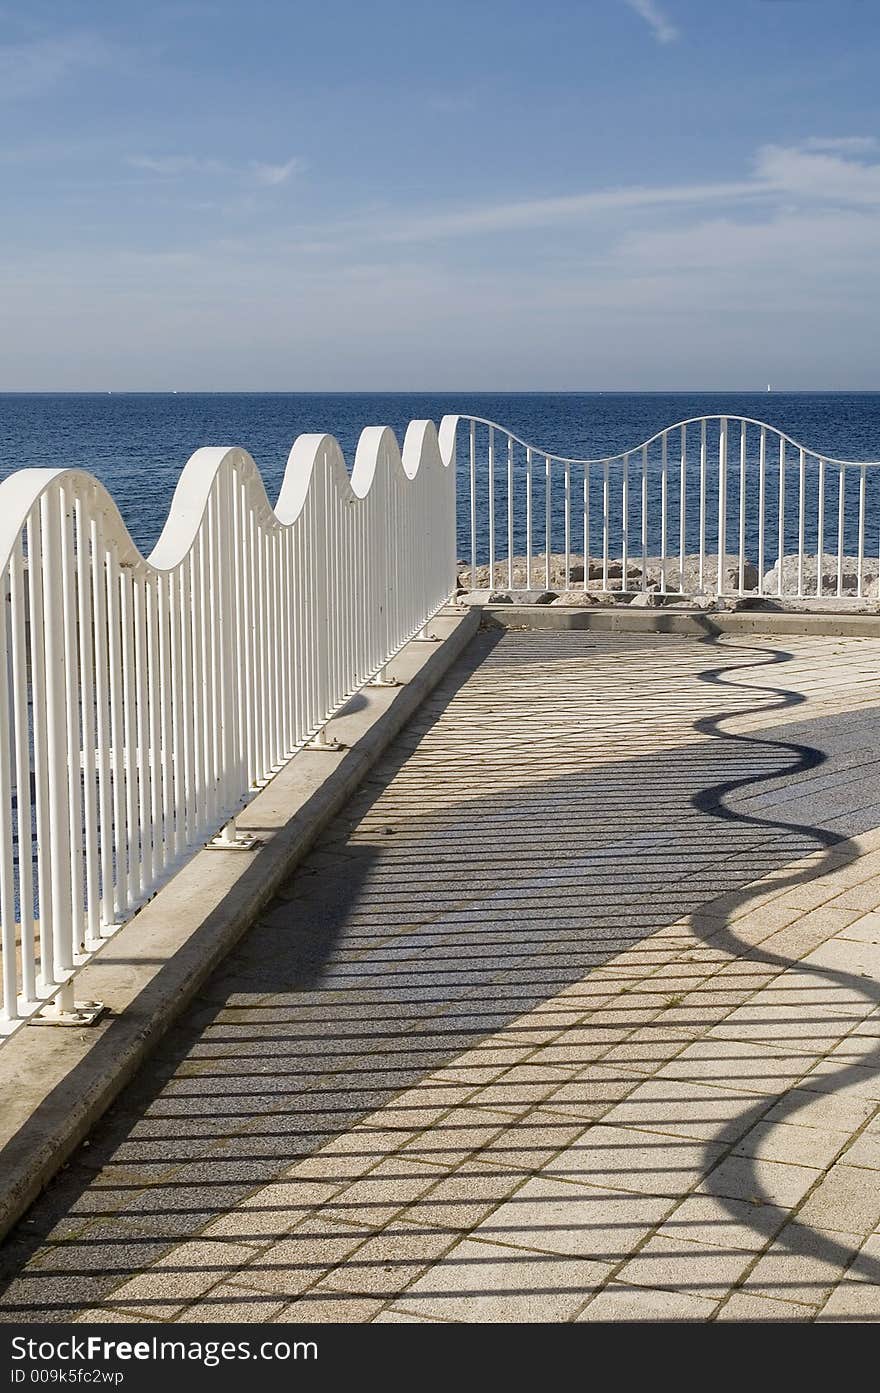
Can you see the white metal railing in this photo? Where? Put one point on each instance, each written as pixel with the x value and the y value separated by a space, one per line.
pixel 722 505
pixel 146 698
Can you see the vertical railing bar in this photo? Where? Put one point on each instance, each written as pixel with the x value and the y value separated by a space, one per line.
pixel 473 501
pixel 85 565
pixel 58 755
pixel 491 493
pixel 802 489
pixel 144 760
pixel 743 429
pixel 762 488
pixel 624 535
pixel 189 687
pixel 8 945
pixel 510 512
pixel 165 737
pixel 820 527
pixel 24 801
pixel 664 508
pixel 703 458
pixel 132 832
pixel 682 515
pixel 586 525
pixel 528 518
pixel 73 740
pixel 548 503
pixel 861 543
pixel 567 585
pixel 100 562
pixel 781 562
pixel 841 506
pixel 606 502
pixel 722 504
pixel 40 723
pixel 644 518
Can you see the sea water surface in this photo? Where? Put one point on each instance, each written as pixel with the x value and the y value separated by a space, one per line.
pixel 137 443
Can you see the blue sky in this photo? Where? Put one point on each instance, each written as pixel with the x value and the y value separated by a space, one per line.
pixel 469 194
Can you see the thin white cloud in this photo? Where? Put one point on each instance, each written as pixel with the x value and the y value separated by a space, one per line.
pixel 663 29
pixel 547 212
pixel 31 68
pixel 818 175
pixel 802 171
pixel 842 143
pixel 173 165
pixel 275 174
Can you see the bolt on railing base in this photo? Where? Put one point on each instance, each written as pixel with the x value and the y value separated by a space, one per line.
pixel 322 742
pixel 230 839
pixel 63 1010
pixel 382 679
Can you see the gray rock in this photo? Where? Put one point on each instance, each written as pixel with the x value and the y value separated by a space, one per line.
pixel 576 599
pixel 829 567
pixel 522 597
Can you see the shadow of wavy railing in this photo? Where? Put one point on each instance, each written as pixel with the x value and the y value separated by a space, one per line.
pixel 712 802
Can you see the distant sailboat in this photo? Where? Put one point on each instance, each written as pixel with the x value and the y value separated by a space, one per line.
pixel 768 386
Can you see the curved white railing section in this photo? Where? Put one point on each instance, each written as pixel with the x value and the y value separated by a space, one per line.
pixel 710 504
pixel 146 698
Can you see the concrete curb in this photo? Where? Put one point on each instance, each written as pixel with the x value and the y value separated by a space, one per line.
pixel 693 623
pixel 55 1084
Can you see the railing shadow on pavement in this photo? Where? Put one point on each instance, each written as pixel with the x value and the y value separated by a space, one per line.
pixel 313 1024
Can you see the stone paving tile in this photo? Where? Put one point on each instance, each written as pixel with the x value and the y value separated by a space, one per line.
pixel 556 1216
pixel 459 1201
pixel 685 1110
pixel 595 1090
pixel 618 1302
pixel 754 1067
pixel 750 1309
pixel 684 1266
pixel 846 1199
pixel 297 1262
pixel 723 1222
pixel 233 1303
pixel 323 1304
pixel 754 1179
pixel 778 1141
pixel 802 1265
pixel 843 1080
pixel 531 1142
pixel 851 1301
pixel 188 1271
pixel 626 1159
pixel 486 1282
pixel 826 1111
pixel 388 1262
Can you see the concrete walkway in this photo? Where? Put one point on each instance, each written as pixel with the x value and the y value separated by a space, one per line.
pixel 574 1016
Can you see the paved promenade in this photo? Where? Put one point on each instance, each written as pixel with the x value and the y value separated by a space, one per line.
pixel 572 1017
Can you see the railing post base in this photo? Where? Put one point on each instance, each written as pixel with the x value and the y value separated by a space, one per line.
pixel 322 742
pixel 230 839
pixel 65 1011
pixel 382 679
pixel 424 636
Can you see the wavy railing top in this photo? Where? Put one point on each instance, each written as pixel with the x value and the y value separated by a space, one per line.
pixel 310 454
pixel 658 435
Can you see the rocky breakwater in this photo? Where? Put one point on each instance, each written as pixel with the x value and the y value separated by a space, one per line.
pixel 515 583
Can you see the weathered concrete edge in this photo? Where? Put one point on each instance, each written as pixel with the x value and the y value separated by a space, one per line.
pixel 693 623
pixel 55 1084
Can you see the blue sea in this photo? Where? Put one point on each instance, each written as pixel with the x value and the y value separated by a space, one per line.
pixel 137 443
